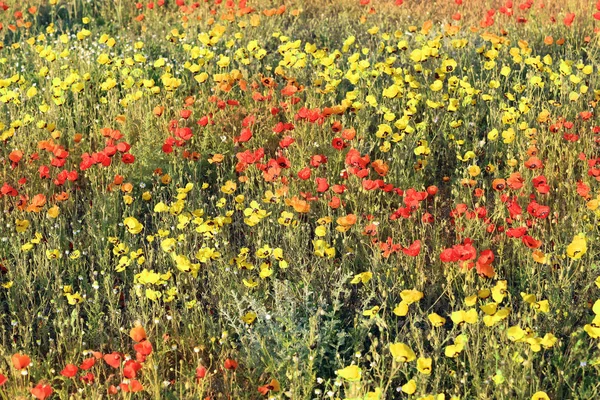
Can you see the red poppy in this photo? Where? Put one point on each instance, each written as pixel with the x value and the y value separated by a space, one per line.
pixel 540 184
pixel 516 232
pixel 569 18
pixel 200 373
pixel 88 378
pixel 583 189
pixel 131 369
pixel 185 114
pixel 184 133
pixel 317 160
pixel 322 185
pixel 499 184
pixel 338 143
pixel 336 126
pixel 20 361
pixel 273 386
pixel 381 167
pixel 245 135
pixel 133 386
pixel 534 163
pixel 69 371
pixel 286 142
pixel 531 242
pixel 432 190
pixel 349 134
pixel 128 158
pixel 87 363
pixel 370 230
pixel 427 218
pixel 515 181
pixel 485 270
pixel 113 359
pixel 289 90
pixel 335 202
pixel 413 250
pixel 144 348
pixel 449 255
pixel 15 156
pixel 42 391
pixel 304 174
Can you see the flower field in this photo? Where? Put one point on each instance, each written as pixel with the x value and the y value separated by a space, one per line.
pixel 300 199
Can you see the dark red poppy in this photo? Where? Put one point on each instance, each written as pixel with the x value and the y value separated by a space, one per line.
pixel 231 364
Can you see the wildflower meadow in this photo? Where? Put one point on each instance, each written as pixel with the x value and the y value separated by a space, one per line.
pixel 300 199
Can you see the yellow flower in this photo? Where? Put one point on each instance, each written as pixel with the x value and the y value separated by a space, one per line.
pixel 489 309
pixel 161 207
pixel 265 270
pixel 548 340
pixel 153 295
pixel 437 85
pixel 474 170
pixel 286 218
pixel 250 283
pixel 401 309
pixel 540 396
pixel 133 225
pixel 541 306
pixel 321 230
pixel 499 291
pixel 376 395
pixel 264 251
pixel 578 247
pixel 409 387
pixel 461 316
pixel 515 333
pixel 21 225
pixel 372 313
pixel 401 352
pixel 540 257
pixel 498 378
pixel 593 329
pixel 436 320
pixel 74 298
pixel 351 373
pixel 363 277
pixel 424 365
pixel 596 307
pixel 471 300
pixel 168 245
pixel 53 254
pixel 455 349
pixel 229 187
pixel 183 263
pixel 53 212
pixel 411 296
pixel 249 317
pixel 493 319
